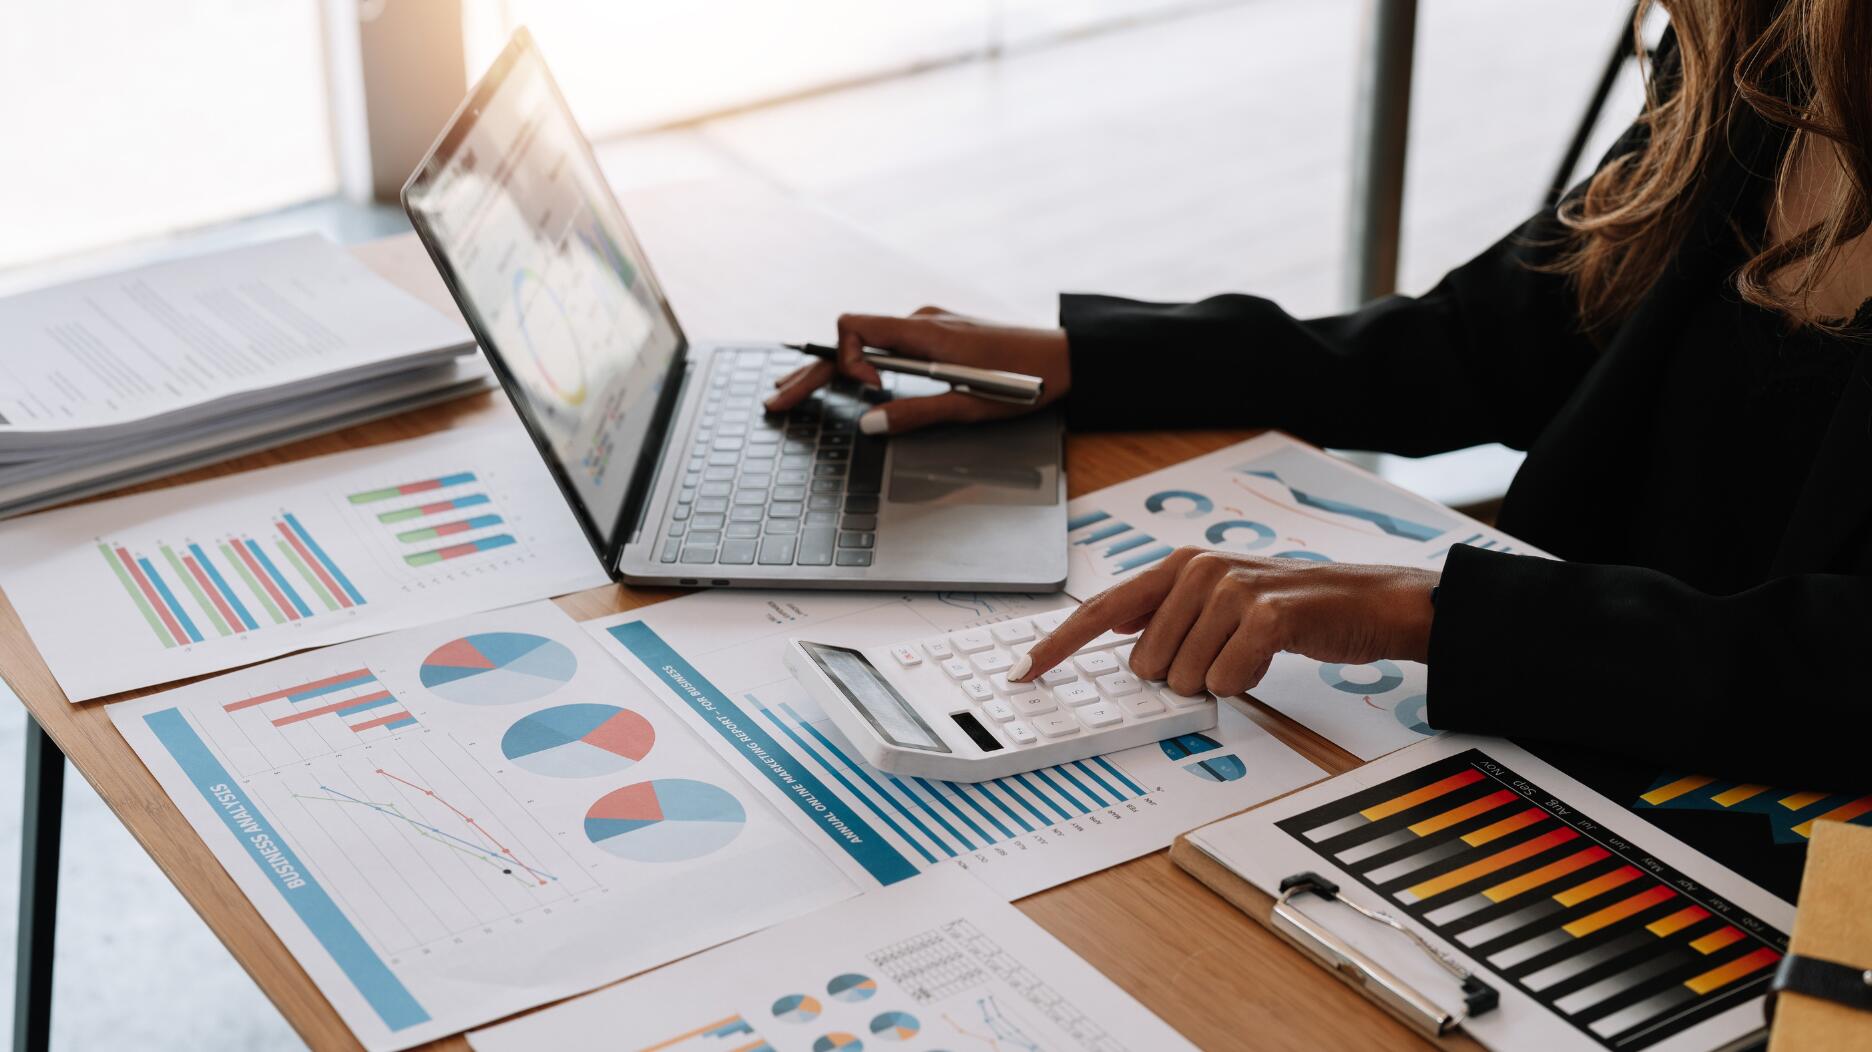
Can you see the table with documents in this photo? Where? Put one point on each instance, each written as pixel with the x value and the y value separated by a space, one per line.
pixel 1181 952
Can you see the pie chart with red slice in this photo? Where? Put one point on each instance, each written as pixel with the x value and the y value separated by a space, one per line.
pixel 666 820
pixel 498 668
pixel 578 741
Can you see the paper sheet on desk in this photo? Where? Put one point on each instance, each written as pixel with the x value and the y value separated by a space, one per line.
pixel 199 578
pixel 112 356
pixel 716 659
pixel 1275 496
pixel 1598 929
pixel 455 822
pixel 936 964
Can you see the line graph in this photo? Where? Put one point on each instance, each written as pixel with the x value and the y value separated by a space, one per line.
pixel 492 851
pixel 419 842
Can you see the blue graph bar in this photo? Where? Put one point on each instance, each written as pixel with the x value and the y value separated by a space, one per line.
pixel 1066 773
pixel 454 480
pixel 402 723
pixel 982 788
pixel 280 580
pixel 1068 797
pixel 221 583
pixel 332 688
pixel 1080 522
pixel 944 800
pixel 366 706
pixel 860 771
pixel 1026 803
pixel 1145 559
pixel 987 815
pixel 1103 532
pixel 833 770
pixel 1102 783
pixel 332 567
pixel 169 597
pixel 1119 775
pixel 1129 543
pixel 1044 798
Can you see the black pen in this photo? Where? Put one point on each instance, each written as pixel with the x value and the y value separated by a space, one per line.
pixel 995 384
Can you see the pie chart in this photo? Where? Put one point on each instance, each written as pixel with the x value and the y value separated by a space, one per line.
pixel 838 1041
pixel 1373 678
pixel 896 1026
pixel 851 987
pixel 796 1008
pixel 498 668
pixel 666 820
pixel 578 741
pixel 1240 533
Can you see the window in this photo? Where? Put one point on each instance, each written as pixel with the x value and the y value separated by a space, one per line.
pixel 124 120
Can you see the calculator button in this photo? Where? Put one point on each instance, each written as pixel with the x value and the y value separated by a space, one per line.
pixel 977 690
pixel 1057 675
pixel 1121 684
pixel 1000 711
pixel 1020 734
pixel 1104 714
pixel 906 655
pixel 1056 724
pixel 1097 663
pixel 957 668
pixel 1141 705
pixel 999 682
pixel 972 640
pixel 989 661
pixel 1077 694
pixel 938 649
pixel 1031 704
pixel 1184 701
pixel 1011 632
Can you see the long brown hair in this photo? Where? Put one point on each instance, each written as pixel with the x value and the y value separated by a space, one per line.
pixel 1802 65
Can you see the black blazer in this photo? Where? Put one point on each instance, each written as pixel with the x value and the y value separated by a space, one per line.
pixel 1772 683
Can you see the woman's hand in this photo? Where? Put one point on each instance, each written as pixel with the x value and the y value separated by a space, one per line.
pixel 937 335
pixel 1213 620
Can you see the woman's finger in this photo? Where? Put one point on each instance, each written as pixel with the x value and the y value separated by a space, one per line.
pixel 1124 601
pixel 1240 665
pixel 812 378
pixel 908 414
pixel 1216 624
pixel 1174 618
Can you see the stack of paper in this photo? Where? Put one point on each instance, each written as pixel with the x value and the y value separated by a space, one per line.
pixel 123 377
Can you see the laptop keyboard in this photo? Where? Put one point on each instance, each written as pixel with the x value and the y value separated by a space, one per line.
pixel 799 488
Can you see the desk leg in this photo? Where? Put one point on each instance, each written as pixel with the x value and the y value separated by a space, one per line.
pixel 38 895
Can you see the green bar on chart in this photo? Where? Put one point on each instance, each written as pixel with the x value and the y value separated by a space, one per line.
pixel 306 572
pixel 136 595
pixel 252 585
pixel 201 599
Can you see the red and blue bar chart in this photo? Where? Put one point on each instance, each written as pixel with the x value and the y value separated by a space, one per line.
pixel 1608 937
pixel 416 527
pixel 354 698
pixel 192 590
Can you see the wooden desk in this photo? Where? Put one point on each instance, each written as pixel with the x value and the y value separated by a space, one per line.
pixel 1223 980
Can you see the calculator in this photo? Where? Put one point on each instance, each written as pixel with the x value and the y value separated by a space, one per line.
pixel 942 707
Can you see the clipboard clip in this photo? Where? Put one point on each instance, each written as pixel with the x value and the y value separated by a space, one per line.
pixel 1391 992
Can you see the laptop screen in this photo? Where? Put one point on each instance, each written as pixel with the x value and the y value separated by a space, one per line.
pixel 538 256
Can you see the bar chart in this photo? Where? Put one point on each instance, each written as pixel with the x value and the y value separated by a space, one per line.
pixel 352 705
pixel 1624 947
pixel 189 591
pixel 925 821
pixel 465 512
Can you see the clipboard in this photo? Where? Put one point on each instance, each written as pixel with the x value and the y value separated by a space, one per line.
pixel 1822 999
pixel 1287 919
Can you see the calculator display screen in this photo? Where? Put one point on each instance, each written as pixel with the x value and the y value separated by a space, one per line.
pixel 886 710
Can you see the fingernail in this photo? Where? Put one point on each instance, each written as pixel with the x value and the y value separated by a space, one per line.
pixel 1021 668
pixel 874 423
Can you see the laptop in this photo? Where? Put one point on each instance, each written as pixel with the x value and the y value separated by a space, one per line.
pixel 660 444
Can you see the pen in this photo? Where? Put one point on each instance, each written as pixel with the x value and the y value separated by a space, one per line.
pixel 995 384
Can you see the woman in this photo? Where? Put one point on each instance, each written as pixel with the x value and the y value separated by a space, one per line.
pixel 1681 349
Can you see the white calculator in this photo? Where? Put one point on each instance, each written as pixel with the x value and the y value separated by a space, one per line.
pixel 942 707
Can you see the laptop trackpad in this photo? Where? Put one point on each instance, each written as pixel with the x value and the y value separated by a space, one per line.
pixel 1015 462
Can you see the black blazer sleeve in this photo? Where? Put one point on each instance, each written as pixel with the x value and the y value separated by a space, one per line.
pixel 1488 355
pixel 1634 661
